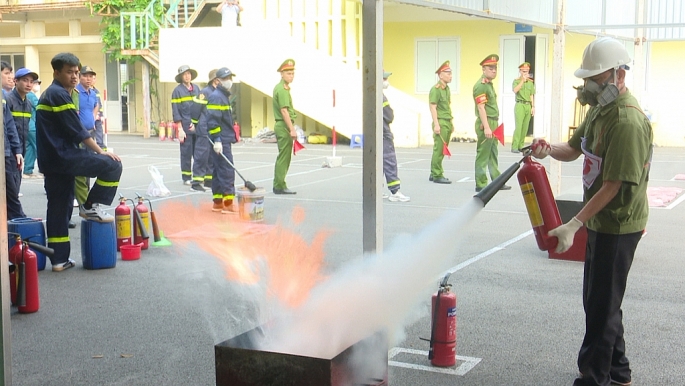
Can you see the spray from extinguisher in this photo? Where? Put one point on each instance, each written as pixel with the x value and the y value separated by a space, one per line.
pixel 443 341
pixel 142 218
pixel 122 217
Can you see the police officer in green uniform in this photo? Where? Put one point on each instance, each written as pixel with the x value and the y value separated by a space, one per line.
pixel 524 88
pixel 616 141
pixel 439 100
pixel 285 115
pixel 487 116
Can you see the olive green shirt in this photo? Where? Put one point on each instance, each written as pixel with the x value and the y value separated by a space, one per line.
pixel 441 96
pixel 526 91
pixel 622 136
pixel 281 99
pixel 484 92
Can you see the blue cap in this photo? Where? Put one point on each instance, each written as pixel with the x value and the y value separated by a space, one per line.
pixel 224 72
pixel 22 72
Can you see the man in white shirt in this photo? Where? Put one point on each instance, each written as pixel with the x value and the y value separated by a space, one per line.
pixel 229 10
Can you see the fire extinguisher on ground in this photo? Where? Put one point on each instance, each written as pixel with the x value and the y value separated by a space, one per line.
pixel 162 130
pixel 236 128
pixel 142 219
pixel 542 209
pixel 443 341
pixel 122 217
pixel 24 289
pixel 171 128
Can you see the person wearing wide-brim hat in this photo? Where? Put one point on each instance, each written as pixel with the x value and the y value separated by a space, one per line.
pixel 439 102
pixel 487 118
pixel 202 160
pixel 524 89
pixel 181 104
pixel 285 115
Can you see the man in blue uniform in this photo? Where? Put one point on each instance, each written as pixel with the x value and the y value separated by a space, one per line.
pixel 220 127
pixel 20 106
pixel 58 134
pixel 181 103
pixel 389 156
pixel 203 165
pixel 14 161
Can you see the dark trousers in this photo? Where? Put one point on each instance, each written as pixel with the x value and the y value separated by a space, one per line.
pixel 60 193
pixel 607 263
pixel 223 181
pixel 12 180
pixel 187 149
pixel 390 165
pixel 202 165
pixel 99 134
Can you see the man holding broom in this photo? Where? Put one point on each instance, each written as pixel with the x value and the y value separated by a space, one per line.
pixel 439 100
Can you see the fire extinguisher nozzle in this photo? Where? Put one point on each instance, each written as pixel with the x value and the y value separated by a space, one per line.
pixel 496 185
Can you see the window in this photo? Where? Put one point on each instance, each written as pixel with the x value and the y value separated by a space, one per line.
pixel 15 60
pixel 430 54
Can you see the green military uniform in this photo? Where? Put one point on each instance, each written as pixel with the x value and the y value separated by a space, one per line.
pixel 81 183
pixel 486 148
pixel 281 99
pixel 441 96
pixel 522 110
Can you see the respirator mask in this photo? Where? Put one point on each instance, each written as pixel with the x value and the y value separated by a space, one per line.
pixel 386 84
pixel 227 84
pixel 593 94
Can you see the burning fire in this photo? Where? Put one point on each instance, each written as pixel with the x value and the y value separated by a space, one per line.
pixel 251 252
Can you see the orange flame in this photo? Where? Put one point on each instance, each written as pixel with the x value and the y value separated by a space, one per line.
pixel 251 252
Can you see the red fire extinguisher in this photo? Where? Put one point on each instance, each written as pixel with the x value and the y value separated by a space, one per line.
pixel 236 128
pixel 24 290
pixel 122 217
pixel 162 130
pixel 142 214
pixel 542 209
pixel 171 128
pixel 443 342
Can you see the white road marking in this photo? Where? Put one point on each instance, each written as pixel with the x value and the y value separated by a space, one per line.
pixel 467 364
pixel 487 253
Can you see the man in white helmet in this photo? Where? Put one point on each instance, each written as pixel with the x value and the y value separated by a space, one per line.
pixel 616 140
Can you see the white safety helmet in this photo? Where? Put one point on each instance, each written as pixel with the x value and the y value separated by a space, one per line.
pixel 601 55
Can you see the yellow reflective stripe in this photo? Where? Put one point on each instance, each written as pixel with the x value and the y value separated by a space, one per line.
pixel 229 196
pixel 393 183
pixel 200 101
pixel 57 109
pixel 218 195
pixel 58 239
pixel 218 107
pixel 21 114
pixel 198 179
pixel 182 99
pixel 386 104
pixel 193 120
pixel 208 177
pixel 107 184
pixel 185 173
pixel 215 130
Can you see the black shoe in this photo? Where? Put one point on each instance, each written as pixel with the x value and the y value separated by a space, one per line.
pixel 72 224
pixel 442 180
pixel 284 191
pixel 505 187
pixel 196 187
pixel 430 178
pixel 478 189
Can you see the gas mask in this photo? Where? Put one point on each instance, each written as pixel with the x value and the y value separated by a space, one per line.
pixel 386 84
pixel 594 94
pixel 227 84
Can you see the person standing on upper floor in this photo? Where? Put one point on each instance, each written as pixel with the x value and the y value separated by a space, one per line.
pixel 389 157
pixel 487 117
pixel 181 104
pixel 524 89
pixel 14 161
pixel 59 132
pixel 439 102
pixel 616 140
pixel 230 12
pixel 284 114
pixel 220 128
pixel 203 165
pixel 30 157
pixel 7 76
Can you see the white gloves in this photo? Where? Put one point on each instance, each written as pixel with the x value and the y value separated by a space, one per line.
pixel 540 148
pixel 218 147
pixel 565 234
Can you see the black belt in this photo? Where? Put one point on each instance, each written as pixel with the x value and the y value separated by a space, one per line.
pixel 524 102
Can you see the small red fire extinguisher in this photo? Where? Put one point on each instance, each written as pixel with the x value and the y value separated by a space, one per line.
pixel 141 235
pixel 162 130
pixel 122 217
pixel 236 128
pixel 542 209
pixel 24 289
pixel 443 342
pixel 171 128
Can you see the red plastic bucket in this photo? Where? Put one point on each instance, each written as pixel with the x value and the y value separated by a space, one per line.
pixel 130 252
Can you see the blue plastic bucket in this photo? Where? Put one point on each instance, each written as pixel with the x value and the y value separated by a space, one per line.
pixel 98 244
pixel 32 229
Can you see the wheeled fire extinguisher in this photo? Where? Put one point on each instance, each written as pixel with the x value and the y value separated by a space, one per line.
pixel 122 218
pixel 542 209
pixel 443 341
pixel 162 130
pixel 142 218
pixel 24 290
pixel 236 128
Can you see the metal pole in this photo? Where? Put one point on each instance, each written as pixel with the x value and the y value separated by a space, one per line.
pixel 557 121
pixel 6 352
pixel 372 68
